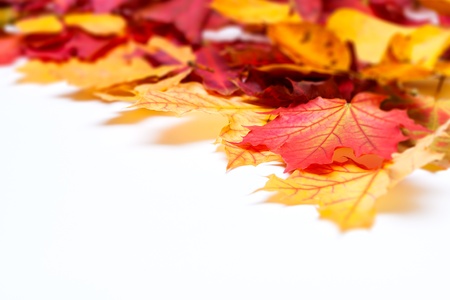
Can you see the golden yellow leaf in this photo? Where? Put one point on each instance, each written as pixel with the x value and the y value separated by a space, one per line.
pixel 97 24
pixel 256 11
pixel 238 156
pixel 132 91
pixel 97 75
pixel 41 24
pixel 36 71
pixel 346 193
pixel 370 35
pixel 183 54
pixel 311 45
pixel 239 123
pixel 401 72
pixel 192 96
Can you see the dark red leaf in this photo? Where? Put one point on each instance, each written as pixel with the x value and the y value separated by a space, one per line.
pixel 188 16
pixel 214 71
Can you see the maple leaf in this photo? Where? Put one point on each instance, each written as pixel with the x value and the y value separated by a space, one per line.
pixel 133 92
pixel 309 133
pixel 214 71
pixel 192 96
pixel 238 156
pixel 343 193
pixel 346 193
pixel 311 45
pixel 104 24
pixel 188 16
pixel 41 24
pixel 99 74
pixel 255 11
pixel 370 35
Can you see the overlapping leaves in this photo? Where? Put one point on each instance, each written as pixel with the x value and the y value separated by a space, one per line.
pixel 348 96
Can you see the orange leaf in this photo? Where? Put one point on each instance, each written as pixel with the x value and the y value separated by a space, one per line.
pixel 311 45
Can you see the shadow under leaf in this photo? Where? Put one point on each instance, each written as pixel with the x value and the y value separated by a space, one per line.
pixel 128 117
pixel 197 127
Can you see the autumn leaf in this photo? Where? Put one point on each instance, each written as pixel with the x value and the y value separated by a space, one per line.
pixel 309 133
pixel 188 16
pixel 100 74
pixel 255 11
pixel 254 54
pixel 214 71
pixel 192 96
pixel 132 92
pixel 311 45
pixel 104 24
pixel 370 35
pixel 42 24
pixel 238 156
pixel 346 193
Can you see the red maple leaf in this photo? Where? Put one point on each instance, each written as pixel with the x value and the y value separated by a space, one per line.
pixel 309 133
pixel 188 16
pixel 214 71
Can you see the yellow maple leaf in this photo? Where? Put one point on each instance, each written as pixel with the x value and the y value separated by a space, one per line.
pixel 238 156
pixel 131 92
pixel 96 75
pixel 346 193
pixel 401 72
pixel 97 24
pixel 40 24
pixel 256 11
pixel 311 45
pixel 370 35
pixel 192 96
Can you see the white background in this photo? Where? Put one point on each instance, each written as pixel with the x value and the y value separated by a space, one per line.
pixel 100 202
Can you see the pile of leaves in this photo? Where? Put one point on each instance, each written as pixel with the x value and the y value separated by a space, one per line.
pixel 348 96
